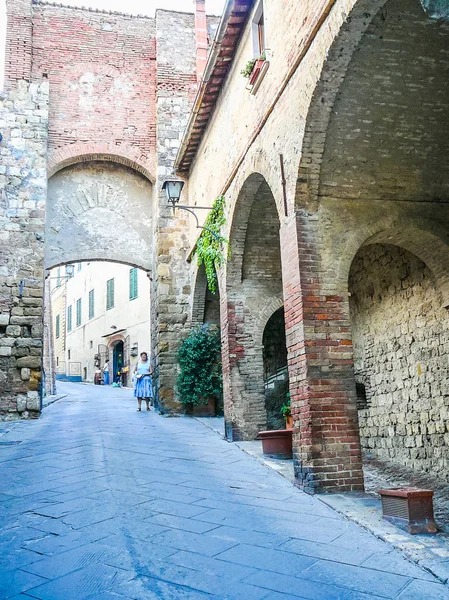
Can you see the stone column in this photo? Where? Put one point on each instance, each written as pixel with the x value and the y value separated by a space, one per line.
pixel 327 455
pixel 242 360
pixel 23 189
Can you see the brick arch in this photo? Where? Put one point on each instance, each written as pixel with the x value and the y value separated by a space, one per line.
pixel 91 257
pixel 124 154
pixel 238 220
pixel 396 137
pixel 265 315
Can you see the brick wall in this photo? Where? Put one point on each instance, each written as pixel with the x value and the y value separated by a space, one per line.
pixel 102 73
pixel 401 337
pixel 23 184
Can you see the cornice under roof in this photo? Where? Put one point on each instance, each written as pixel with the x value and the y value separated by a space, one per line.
pixel 219 61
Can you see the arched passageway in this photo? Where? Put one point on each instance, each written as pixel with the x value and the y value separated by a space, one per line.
pixel 400 335
pixel 253 293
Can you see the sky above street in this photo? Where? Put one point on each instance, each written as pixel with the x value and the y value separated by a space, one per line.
pixel 142 7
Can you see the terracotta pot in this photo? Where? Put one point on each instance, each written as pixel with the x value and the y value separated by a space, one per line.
pixel 277 443
pixel 289 422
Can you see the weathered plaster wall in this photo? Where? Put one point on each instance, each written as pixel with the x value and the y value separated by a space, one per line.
pixel 401 346
pixel 23 184
pixel 99 211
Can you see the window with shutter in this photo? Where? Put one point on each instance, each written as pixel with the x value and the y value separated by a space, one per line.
pixel 69 318
pixel 133 286
pixel 78 312
pixel 109 294
pixel 91 304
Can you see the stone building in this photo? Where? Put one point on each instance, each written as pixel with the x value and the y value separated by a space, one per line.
pixel 100 311
pixel 332 157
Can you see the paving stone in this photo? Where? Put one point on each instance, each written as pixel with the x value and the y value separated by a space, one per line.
pixel 268 559
pixel 16 582
pixel 210 566
pixel 184 540
pixel 80 584
pixel 356 578
pixel 419 590
pixel 326 551
pixel 395 563
pixel 56 566
pixel 181 523
pixel 297 587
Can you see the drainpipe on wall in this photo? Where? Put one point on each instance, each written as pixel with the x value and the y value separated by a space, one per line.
pixel 201 38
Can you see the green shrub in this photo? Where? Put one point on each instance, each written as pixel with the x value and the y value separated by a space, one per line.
pixel 199 359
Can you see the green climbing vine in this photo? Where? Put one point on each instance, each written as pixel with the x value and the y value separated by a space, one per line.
pixel 209 249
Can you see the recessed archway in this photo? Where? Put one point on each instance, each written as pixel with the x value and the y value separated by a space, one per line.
pixel 99 210
pixel 400 337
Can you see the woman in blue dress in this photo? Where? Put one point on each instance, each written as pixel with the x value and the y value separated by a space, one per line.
pixel 143 386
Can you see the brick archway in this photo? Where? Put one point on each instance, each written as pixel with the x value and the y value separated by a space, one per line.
pixel 252 290
pixel 123 154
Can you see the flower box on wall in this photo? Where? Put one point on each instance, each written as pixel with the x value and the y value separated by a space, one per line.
pixel 256 70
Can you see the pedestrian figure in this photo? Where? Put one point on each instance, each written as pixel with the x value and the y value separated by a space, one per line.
pixel 143 385
pixel 106 373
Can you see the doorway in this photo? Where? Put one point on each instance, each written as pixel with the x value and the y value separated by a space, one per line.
pixel 117 360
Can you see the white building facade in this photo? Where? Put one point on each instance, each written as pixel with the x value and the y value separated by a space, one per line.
pixel 100 312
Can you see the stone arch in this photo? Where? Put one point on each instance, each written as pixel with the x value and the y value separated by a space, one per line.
pixel 432 247
pixel 123 154
pixel 393 125
pixel 99 210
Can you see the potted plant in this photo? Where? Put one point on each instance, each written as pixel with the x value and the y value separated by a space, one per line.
pixel 199 383
pixel 286 413
pixel 277 443
pixel 253 68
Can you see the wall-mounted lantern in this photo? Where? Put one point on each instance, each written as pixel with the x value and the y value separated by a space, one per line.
pixel 173 189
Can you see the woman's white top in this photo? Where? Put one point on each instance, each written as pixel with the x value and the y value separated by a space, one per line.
pixel 143 368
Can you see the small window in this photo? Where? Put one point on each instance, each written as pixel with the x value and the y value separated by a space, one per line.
pixel 58 326
pixel 57 361
pixel 69 318
pixel 133 286
pixel 58 278
pixel 362 400
pixel 78 312
pixel 79 267
pixel 91 304
pixel 109 294
pixel 68 354
pixel 258 32
pixel 91 344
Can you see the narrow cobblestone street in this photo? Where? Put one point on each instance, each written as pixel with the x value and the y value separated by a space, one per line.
pixel 101 502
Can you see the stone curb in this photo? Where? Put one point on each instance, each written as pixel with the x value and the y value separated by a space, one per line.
pixel 429 552
pixel 51 399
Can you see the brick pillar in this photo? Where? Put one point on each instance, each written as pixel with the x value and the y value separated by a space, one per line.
pixel 201 38
pixel 327 456
pixel 19 31
pixel 242 361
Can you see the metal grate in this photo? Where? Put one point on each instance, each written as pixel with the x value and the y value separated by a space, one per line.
pixel 395 507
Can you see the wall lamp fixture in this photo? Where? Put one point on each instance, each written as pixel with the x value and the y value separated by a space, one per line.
pixel 173 189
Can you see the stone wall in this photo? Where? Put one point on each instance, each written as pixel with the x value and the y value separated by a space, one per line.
pixel 23 185
pixel 401 352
